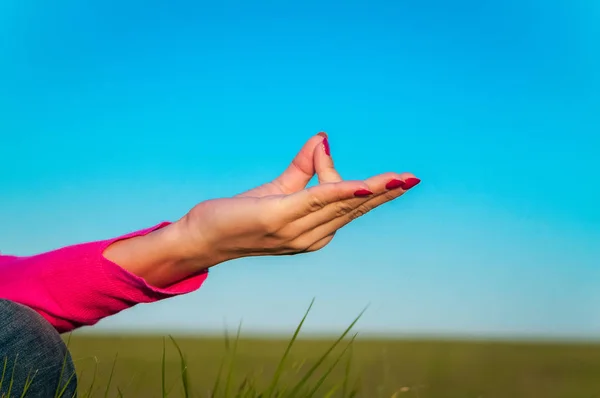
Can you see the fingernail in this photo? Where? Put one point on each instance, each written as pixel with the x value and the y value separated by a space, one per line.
pixel 406 185
pixel 326 147
pixel 393 184
pixel 410 182
pixel 361 193
pixel 325 143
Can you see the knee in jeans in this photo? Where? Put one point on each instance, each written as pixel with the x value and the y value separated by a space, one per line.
pixel 35 350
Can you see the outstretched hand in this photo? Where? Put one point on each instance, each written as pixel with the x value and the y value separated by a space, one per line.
pixel 284 217
pixel 281 217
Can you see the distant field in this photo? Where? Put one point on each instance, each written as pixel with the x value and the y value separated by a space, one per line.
pixel 408 368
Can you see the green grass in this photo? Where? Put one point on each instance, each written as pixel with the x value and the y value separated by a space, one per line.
pixel 216 367
pixel 245 385
pixel 379 368
pixel 248 387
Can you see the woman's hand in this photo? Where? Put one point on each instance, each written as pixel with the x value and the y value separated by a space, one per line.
pixel 282 217
pixel 278 218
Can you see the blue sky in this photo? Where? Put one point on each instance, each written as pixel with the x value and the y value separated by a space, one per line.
pixel 117 115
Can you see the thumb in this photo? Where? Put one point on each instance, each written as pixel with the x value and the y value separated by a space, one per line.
pixel 302 168
pixel 323 161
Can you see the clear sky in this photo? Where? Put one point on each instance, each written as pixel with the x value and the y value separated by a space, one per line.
pixel 115 115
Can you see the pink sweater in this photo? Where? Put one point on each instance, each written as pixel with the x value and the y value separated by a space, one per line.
pixel 76 286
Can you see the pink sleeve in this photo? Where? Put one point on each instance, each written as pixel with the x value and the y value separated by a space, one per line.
pixel 76 286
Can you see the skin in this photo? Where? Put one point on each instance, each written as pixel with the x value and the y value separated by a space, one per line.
pixel 281 217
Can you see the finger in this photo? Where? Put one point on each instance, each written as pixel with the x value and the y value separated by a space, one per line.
pixel 396 187
pixel 302 169
pixel 385 187
pixel 320 196
pixel 324 167
pixel 320 243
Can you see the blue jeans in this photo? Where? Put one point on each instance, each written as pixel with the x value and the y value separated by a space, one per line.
pixel 36 358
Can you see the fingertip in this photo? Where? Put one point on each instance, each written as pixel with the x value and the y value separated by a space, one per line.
pixel 324 166
pixel 405 181
pixel 342 190
pixel 363 193
pixel 326 146
pixel 405 176
pixel 324 143
pixel 357 189
pixel 411 182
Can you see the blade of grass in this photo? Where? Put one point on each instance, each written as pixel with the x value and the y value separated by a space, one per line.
pixel 220 372
pixel 62 370
pixel 112 371
pixel 282 392
pixel 164 382
pixel 28 384
pixel 279 368
pixel 3 371
pixel 298 367
pixel 332 391
pixel 328 372
pixel 243 387
pixel 356 389
pixel 218 380
pixel 91 389
pixel 347 373
pixel 62 392
pixel 232 361
pixel 227 342
pixel 12 378
pixel 139 373
pixel 184 369
pixel 80 377
pixel 250 388
pixel 170 389
pixel 119 392
pixel 323 357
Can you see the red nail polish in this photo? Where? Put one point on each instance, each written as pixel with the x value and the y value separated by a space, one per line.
pixel 393 184
pixel 406 185
pixel 410 182
pixel 361 193
pixel 326 146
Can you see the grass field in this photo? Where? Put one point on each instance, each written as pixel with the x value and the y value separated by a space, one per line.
pixel 382 368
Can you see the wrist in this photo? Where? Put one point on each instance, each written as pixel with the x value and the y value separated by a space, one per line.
pixel 197 249
pixel 161 257
pixel 187 252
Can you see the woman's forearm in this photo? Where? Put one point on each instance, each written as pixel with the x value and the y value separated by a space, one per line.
pixel 157 257
pixel 164 256
pixel 81 284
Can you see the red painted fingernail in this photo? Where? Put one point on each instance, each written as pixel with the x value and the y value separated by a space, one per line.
pixel 325 143
pixel 326 147
pixel 406 185
pixel 393 184
pixel 410 182
pixel 361 193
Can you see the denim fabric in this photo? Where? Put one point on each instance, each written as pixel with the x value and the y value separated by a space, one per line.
pixel 31 347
